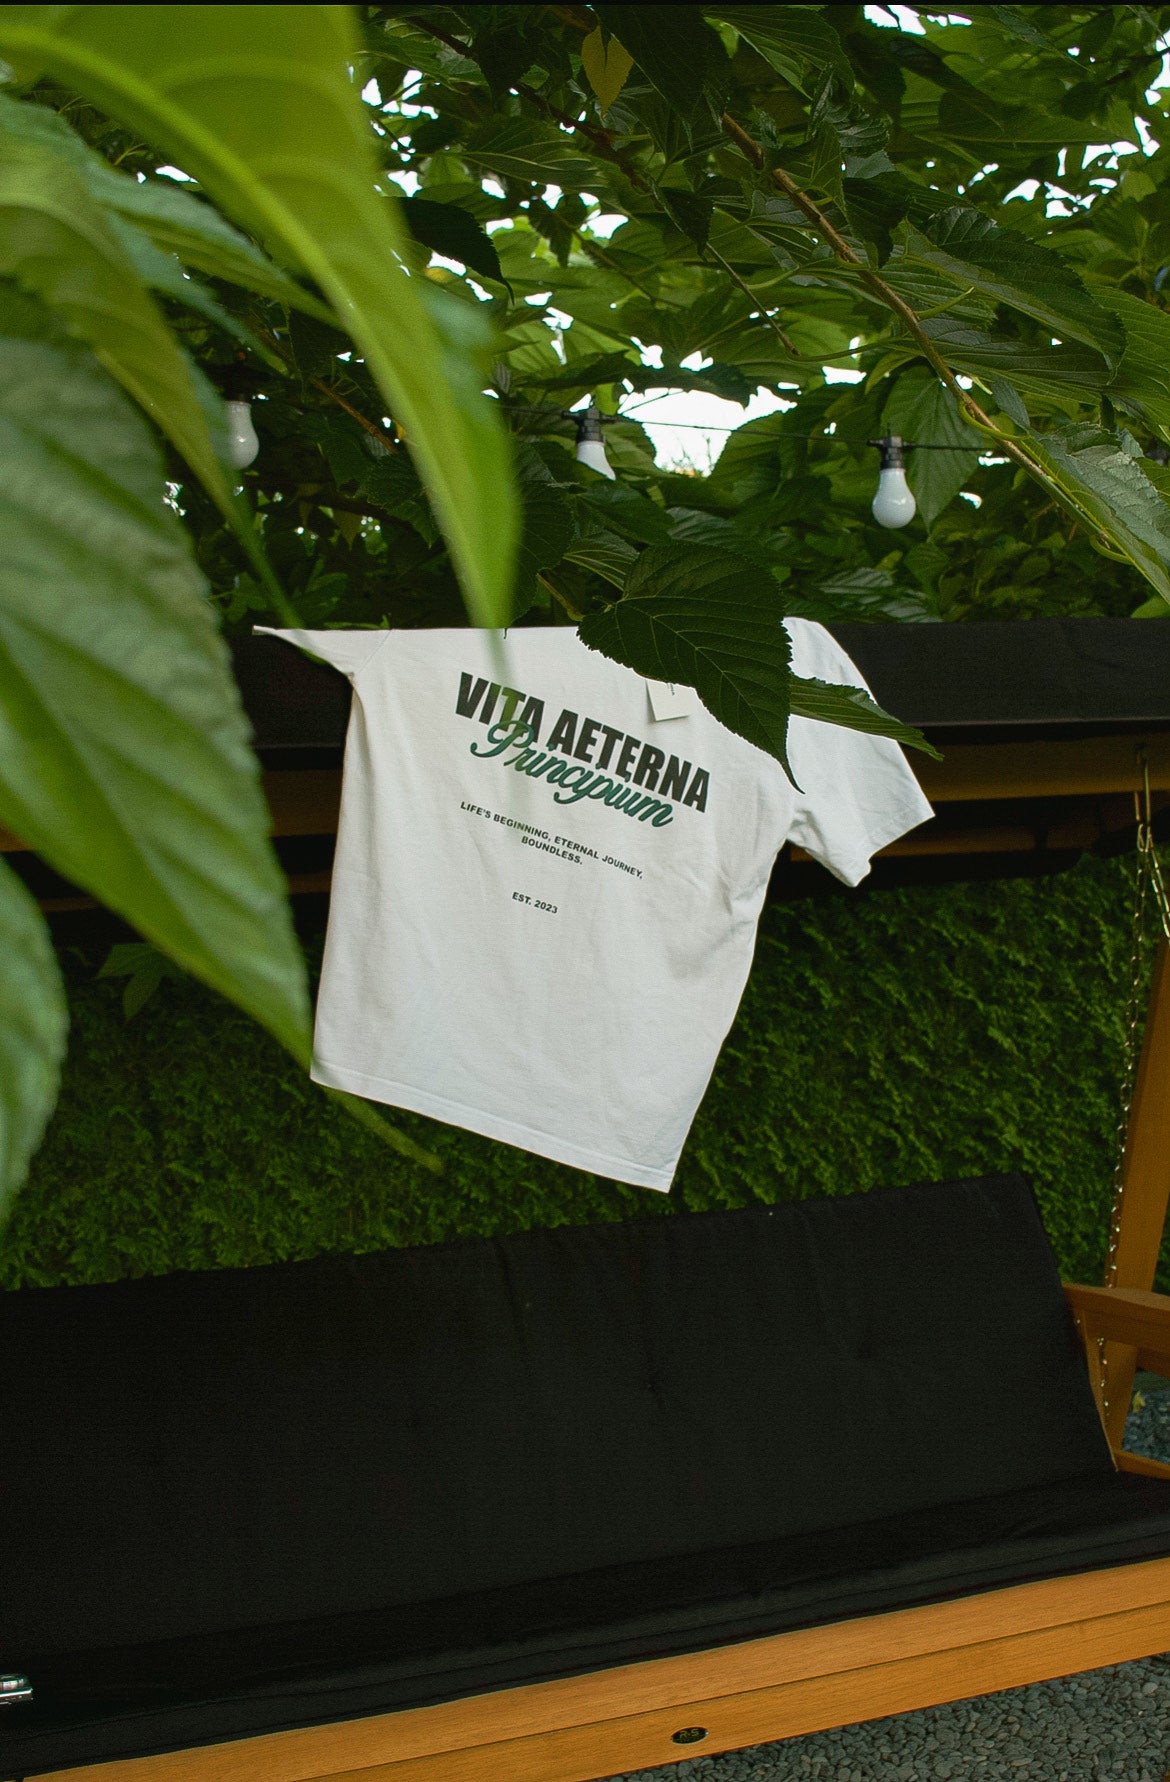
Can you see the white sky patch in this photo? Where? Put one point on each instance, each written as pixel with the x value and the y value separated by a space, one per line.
pixel 175 173
pixel 845 374
pixel 603 225
pixel 897 18
pixel 372 93
pixel 408 183
pixel 701 423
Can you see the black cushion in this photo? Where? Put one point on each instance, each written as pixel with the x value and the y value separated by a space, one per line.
pixel 262 1497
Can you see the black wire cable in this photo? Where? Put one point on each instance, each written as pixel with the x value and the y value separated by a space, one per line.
pixel 568 414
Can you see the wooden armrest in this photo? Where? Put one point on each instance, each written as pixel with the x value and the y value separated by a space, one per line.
pixel 1122 1315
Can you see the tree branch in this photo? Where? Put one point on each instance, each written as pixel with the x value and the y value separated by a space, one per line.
pixel 601 140
pixel 375 432
pixel 909 318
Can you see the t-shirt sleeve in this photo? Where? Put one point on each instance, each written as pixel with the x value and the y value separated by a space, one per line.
pixel 348 651
pixel 857 793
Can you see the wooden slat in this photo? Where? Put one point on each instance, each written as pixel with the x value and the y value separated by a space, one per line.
pixel 778 1687
pixel 1141 1463
pixel 785 1711
pixel 1123 1314
pixel 1140 1216
pixel 1015 838
pixel 1089 765
pixel 303 801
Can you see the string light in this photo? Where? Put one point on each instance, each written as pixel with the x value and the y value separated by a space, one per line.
pixel 590 444
pixel 894 504
pixel 243 443
pixel 239 385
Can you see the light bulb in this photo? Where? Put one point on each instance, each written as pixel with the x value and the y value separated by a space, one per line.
pixel 242 441
pixel 893 505
pixel 592 452
pixel 590 444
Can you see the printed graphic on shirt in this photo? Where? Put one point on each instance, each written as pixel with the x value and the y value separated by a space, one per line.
pixel 648 786
pixel 566 847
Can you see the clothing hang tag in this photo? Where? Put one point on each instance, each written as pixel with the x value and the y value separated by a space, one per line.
pixel 669 701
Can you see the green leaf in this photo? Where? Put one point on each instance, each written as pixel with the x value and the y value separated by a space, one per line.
pixel 1104 487
pixel 175 220
pixel 450 230
pixel 795 40
pixel 607 67
pixel 677 51
pixel 181 224
pixel 164 273
pixel 1057 372
pixel 920 408
pixel 56 244
pixel 33 1024
pixel 1143 371
pixel 605 554
pixel 526 149
pixel 548 531
pixel 688 211
pixel 853 708
pixel 977 253
pixel 972 116
pixel 621 368
pixel 144 967
pixel 708 619
pixel 124 757
pixel 257 104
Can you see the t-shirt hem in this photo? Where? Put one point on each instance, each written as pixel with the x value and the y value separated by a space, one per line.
pixel 508 1132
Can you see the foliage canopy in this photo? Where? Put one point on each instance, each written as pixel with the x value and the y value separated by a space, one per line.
pixel 972 221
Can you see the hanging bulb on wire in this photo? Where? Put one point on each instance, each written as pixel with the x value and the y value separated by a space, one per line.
pixel 242 441
pixel 590 444
pixel 894 504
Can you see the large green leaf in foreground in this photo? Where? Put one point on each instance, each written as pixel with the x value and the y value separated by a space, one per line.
pixel 257 103
pixel 124 757
pixel 712 621
pixel 56 243
pixel 33 1024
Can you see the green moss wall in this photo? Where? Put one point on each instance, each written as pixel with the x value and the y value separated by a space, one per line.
pixel 884 1038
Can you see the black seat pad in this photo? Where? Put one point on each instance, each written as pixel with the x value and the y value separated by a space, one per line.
pixel 258 1498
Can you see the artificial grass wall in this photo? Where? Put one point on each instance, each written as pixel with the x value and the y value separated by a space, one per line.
pixel 884 1038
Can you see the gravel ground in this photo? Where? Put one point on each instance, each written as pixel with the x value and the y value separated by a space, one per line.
pixel 1101 1726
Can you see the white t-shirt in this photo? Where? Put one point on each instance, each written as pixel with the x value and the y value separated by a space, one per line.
pixel 545 896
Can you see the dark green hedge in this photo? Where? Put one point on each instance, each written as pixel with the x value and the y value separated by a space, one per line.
pixel 888 1037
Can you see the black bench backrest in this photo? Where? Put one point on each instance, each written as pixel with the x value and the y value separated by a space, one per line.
pixel 225 1450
